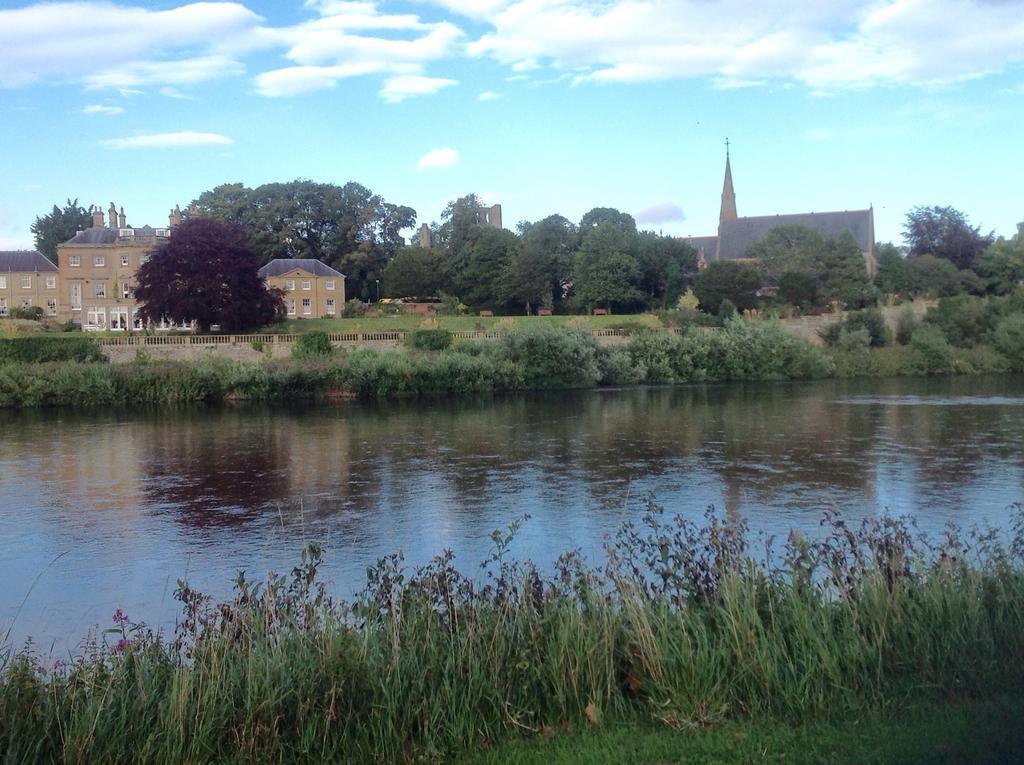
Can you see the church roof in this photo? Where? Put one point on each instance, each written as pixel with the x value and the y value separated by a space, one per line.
pixel 736 236
pixel 26 261
pixel 281 266
pixel 706 244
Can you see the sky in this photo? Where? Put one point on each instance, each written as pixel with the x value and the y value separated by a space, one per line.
pixel 543 106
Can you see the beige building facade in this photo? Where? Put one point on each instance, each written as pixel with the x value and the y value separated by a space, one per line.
pixel 28 280
pixel 97 270
pixel 312 289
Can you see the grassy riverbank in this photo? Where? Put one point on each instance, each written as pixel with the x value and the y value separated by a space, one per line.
pixel 688 634
pixel 530 358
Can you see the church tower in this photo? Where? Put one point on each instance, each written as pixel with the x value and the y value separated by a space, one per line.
pixel 728 211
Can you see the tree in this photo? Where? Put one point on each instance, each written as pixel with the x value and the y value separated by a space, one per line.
pixel 416 272
pixel 605 271
pixel 490 253
pixel 893 276
pixel 548 248
pixel 667 265
pixel 789 249
pixel 348 227
pixel 620 220
pixel 845 273
pixel 936 277
pixel 945 233
pixel 799 289
pixel 205 272
pixel 59 225
pixel 727 280
pixel 1001 266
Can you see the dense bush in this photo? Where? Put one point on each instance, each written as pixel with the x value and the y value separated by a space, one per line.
pixel 39 348
pixel 932 349
pixel 869 319
pixel 429 339
pixel 312 345
pixel 684 621
pixel 1008 339
pixel 551 357
pixel 965 320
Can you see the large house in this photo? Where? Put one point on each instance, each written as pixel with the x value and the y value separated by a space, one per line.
pixel 736 234
pixel 27 280
pixel 312 289
pixel 98 266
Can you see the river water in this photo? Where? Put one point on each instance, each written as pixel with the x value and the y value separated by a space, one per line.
pixel 102 509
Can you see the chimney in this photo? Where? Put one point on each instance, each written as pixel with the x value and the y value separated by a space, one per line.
pixel 112 215
pixel 175 217
pixel 121 219
pixel 193 211
pixel 97 217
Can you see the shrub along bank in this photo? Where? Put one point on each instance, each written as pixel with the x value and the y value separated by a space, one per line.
pixel 525 358
pixel 686 625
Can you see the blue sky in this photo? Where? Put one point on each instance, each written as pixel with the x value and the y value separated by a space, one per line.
pixel 546 106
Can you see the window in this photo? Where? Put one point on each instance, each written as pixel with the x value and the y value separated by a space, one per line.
pixel 3 306
pixel 3 282
pixel 289 284
pixel 126 290
pixel 99 290
pixel 162 232
pixel 96 317
pixel 289 304
pixel 307 306
pixel 75 295
pixel 51 282
pixel 124 260
pixel 125 232
pixel 74 261
pixel 99 261
pixel 329 284
pixel 330 306
pixel 306 284
pixel 51 306
pixel 26 282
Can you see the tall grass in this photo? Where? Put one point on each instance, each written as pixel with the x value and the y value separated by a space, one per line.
pixel 682 623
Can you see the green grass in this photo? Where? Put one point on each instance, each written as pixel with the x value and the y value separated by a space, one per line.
pixel 982 732
pixel 464 323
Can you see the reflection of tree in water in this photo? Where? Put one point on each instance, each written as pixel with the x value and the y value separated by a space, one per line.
pixel 221 468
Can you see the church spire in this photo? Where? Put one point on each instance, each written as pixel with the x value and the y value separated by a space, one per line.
pixel 728 211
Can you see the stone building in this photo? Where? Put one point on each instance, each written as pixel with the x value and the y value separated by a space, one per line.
pixel 736 234
pixel 97 270
pixel 27 280
pixel 312 289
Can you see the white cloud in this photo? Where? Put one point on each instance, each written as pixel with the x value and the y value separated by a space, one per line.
pixel 165 140
pixel 106 111
pixel 488 95
pixel 842 44
pixel 663 212
pixel 102 43
pixel 444 157
pixel 181 72
pixel 397 89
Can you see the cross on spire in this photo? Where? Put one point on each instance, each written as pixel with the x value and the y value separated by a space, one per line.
pixel 727 148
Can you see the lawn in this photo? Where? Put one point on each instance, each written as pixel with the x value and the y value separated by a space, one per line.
pixel 978 731
pixel 463 323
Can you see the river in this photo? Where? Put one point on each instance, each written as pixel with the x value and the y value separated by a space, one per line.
pixel 105 509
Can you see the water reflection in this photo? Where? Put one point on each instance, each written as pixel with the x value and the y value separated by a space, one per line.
pixel 133 499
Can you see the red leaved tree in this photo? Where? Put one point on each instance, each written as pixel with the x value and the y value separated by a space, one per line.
pixel 206 273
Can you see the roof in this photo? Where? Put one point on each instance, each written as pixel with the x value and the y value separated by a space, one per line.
pixel 736 236
pixel 29 261
pixel 105 235
pixel 708 245
pixel 281 266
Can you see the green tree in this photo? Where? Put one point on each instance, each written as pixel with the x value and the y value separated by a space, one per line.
pixel 605 271
pixel 800 289
pixel 893 275
pixel 348 227
pixel 1001 266
pixel 624 222
pixel 489 255
pixel 206 273
pixel 59 225
pixel 845 273
pixel 727 280
pixel 548 247
pixel 935 277
pixel 415 272
pixel 944 233
pixel 667 266
pixel 789 249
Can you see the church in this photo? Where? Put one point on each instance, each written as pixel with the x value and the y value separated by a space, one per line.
pixel 736 234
